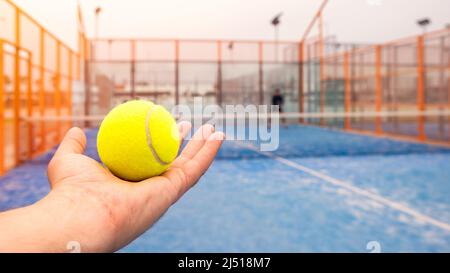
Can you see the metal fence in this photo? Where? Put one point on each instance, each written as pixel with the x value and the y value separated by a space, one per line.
pixel 410 74
pixel 37 75
pixel 43 77
pixel 173 72
pixel 404 75
pixel 318 75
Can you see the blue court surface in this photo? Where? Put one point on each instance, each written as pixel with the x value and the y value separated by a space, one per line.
pixel 321 191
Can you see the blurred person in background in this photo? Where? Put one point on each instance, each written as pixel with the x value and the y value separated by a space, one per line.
pixel 278 100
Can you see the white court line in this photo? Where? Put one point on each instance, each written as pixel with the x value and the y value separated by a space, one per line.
pixel 421 218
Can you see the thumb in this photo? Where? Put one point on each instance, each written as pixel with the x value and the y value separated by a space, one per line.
pixel 74 142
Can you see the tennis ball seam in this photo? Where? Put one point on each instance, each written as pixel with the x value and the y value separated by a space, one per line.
pixel 149 139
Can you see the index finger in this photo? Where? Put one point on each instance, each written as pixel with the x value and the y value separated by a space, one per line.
pixel 200 163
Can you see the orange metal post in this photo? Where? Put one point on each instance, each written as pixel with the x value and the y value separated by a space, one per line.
pixel 88 50
pixel 2 113
pixel 17 90
pixel 89 59
pixel 261 73
pixel 78 67
pixel 309 56
pixel 177 72
pixel 79 57
pixel 30 147
pixel 321 68
pixel 378 89
pixel 420 88
pixel 300 80
pixel 316 16
pixel 69 87
pixel 42 132
pixel 347 92
pixel 57 95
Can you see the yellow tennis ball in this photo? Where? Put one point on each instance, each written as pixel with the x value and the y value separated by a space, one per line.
pixel 138 140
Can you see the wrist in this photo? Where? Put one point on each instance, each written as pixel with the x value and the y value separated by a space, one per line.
pixel 54 224
pixel 27 229
pixel 78 223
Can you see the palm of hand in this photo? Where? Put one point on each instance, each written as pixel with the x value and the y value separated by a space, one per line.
pixel 106 212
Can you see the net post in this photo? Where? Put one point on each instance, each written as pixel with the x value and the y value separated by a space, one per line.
pixel 300 80
pixel 347 94
pixel 17 89
pixel 2 112
pixel 261 73
pixel 30 106
pixel 420 88
pixel 177 72
pixel 378 89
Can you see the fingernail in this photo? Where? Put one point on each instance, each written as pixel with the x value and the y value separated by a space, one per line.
pixel 217 136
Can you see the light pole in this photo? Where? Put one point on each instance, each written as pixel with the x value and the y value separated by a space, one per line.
pixel 424 23
pixel 275 23
pixel 98 10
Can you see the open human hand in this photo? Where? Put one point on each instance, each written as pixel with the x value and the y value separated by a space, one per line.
pixel 100 212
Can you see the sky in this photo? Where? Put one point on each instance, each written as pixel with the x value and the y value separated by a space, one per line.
pixel 362 21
